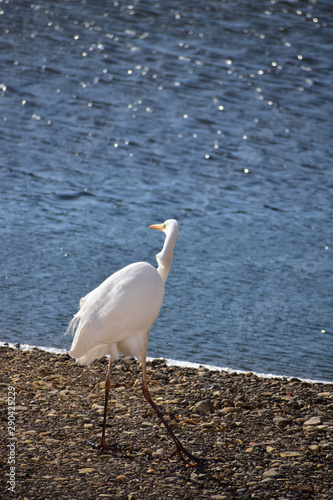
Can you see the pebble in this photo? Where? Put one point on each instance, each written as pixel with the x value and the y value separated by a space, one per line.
pixel 313 421
pixel 203 407
pixel 207 425
pixel 290 454
pixel 121 478
pixel 120 408
pixel 228 409
pixel 271 473
pixel 259 438
pixel 158 453
pixel 281 421
pixel 325 394
pixel 146 424
pixel 245 406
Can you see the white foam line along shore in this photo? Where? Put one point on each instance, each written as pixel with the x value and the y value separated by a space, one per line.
pixel 172 362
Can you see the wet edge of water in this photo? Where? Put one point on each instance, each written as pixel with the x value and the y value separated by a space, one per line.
pixel 172 362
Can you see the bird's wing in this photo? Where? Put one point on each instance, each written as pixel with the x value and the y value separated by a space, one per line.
pixel 125 305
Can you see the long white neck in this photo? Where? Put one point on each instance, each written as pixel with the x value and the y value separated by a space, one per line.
pixel 164 258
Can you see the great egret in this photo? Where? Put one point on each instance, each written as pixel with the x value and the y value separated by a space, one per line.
pixel 118 315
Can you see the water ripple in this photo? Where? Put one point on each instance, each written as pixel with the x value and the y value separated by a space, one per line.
pixel 217 113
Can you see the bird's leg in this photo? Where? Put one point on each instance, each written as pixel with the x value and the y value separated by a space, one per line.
pixel 104 445
pixel 179 447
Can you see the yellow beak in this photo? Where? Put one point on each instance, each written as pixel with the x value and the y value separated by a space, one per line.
pixel 159 227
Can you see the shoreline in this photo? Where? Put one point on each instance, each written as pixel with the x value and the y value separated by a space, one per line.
pixel 174 362
pixel 260 438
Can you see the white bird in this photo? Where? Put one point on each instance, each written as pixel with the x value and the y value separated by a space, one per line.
pixel 118 315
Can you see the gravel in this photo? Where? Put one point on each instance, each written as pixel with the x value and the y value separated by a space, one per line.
pixel 259 438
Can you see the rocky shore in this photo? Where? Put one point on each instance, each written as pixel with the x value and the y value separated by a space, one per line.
pixel 259 438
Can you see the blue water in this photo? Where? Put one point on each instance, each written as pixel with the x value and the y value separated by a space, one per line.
pixel 117 115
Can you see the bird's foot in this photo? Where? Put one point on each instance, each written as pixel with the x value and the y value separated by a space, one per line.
pixel 105 446
pixel 193 461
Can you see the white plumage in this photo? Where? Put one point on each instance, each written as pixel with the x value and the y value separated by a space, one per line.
pixel 117 317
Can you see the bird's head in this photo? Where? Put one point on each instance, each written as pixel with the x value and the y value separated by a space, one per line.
pixel 167 227
pixel 164 258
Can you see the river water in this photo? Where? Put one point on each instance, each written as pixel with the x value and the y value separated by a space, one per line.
pixel 117 115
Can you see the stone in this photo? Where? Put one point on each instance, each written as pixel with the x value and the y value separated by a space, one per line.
pixel 158 453
pixel 244 405
pixel 313 421
pixel 228 409
pixel 245 454
pixel 281 421
pixel 122 477
pixel 271 473
pixel 203 407
pixel 290 454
